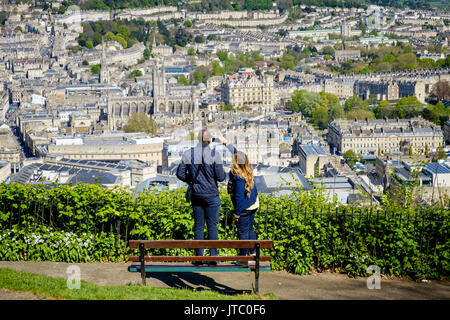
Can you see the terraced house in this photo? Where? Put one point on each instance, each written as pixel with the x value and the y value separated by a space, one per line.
pixel 384 136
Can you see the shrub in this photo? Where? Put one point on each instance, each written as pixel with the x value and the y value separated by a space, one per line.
pixel 83 222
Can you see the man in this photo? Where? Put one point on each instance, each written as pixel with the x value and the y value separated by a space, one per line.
pixel 201 168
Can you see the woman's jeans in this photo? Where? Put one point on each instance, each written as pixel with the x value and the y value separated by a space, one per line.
pixel 206 210
pixel 245 229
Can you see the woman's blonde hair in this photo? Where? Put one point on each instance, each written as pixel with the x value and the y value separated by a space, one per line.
pixel 241 168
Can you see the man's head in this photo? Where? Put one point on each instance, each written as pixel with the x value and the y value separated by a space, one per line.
pixel 204 136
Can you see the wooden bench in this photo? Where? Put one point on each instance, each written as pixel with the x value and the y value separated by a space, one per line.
pixel 256 263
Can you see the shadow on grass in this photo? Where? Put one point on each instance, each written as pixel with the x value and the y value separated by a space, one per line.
pixel 194 281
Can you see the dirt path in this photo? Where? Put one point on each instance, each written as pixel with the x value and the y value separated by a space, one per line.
pixel 14 295
pixel 283 285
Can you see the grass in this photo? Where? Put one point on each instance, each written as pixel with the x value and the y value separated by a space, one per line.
pixel 56 288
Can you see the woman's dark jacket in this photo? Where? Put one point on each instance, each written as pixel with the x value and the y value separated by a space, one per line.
pixel 238 196
pixel 237 190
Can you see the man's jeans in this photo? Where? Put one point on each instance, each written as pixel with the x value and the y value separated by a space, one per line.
pixel 245 229
pixel 206 210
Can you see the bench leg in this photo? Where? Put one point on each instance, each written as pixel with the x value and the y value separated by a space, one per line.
pixel 257 247
pixel 142 260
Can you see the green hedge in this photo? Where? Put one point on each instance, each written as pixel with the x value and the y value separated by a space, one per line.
pixel 89 223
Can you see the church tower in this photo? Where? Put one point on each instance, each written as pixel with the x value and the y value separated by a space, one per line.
pixel 159 88
pixel 104 73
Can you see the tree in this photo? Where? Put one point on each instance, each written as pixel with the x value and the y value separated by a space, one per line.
pixel 182 37
pixel 320 117
pixel 350 157
pixel 95 68
pixel 201 74
pixel 440 91
pixel 408 107
pixel 146 54
pixel 89 44
pixel 384 110
pixel 360 114
pixel 335 112
pixel 441 153
pixel 217 70
pixel 354 102
pixel 85 63
pixel 305 102
pixel 226 107
pixel 406 61
pixel 191 51
pixel 198 78
pixel 329 50
pixel 124 31
pixel 199 39
pixel 140 122
pixel 121 40
pixel 182 80
pixel 135 73
pixel 383 67
pixel 109 36
pixel 288 62
pixel 188 23
pixel 222 55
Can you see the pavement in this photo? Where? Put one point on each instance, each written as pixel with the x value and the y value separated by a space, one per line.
pixel 283 285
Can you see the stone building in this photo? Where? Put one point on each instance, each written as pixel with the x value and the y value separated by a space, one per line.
pixel 161 50
pixel 384 136
pixel 9 147
pixel 246 89
pixel 344 55
pixel 312 159
pixel 392 90
pixel 342 88
pixel 447 131
pixel 111 147
pixel 5 170
pixel 346 30
pixel 163 99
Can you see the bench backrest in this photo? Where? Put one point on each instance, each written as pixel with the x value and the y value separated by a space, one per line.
pixel 201 244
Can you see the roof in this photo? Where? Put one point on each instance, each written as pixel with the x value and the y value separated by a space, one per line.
pixel 93 177
pixel 278 182
pixel 159 183
pixel 312 149
pixel 433 167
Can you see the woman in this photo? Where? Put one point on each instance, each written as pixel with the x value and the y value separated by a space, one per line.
pixel 244 196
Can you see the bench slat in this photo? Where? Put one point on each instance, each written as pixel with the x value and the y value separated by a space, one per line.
pixel 198 258
pixel 200 244
pixel 190 268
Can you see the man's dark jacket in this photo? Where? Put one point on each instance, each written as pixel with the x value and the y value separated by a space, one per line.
pixel 210 171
